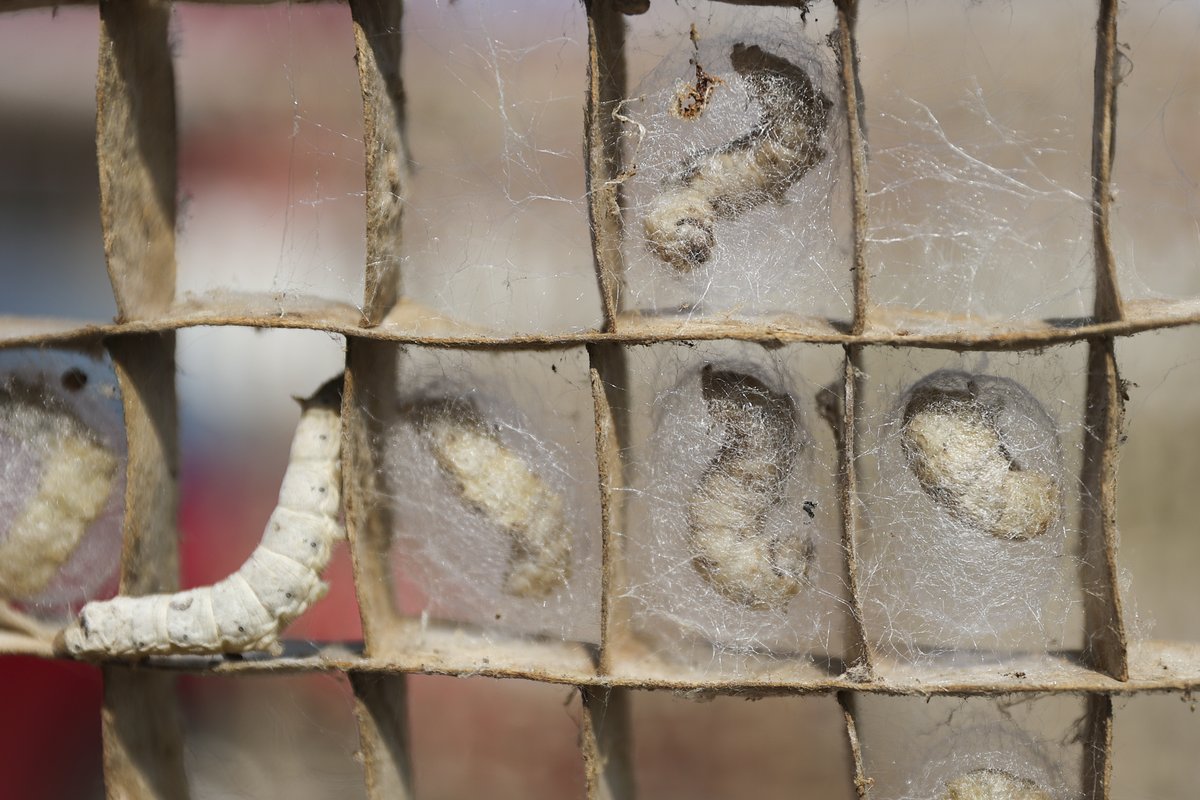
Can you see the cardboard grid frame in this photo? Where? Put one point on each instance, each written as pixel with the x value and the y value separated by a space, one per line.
pixel 136 146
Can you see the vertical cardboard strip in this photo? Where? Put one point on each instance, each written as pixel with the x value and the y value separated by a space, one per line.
pixel 862 784
pixel 605 742
pixel 143 742
pixel 142 736
pixel 381 706
pixel 377 46
pixel 857 652
pixel 609 374
pixel 606 87
pixel 1105 642
pixel 1097 748
pixel 145 368
pixel 370 387
pixel 136 154
pixel 847 55
pixel 1108 304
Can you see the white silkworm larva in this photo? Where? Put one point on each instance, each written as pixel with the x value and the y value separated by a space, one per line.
pixel 727 512
pixel 76 480
pixel 992 784
pixel 501 485
pixel 281 579
pixel 756 168
pixel 956 447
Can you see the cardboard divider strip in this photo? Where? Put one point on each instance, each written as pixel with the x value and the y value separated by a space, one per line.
pixel 858 656
pixel 136 153
pixel 1105 641
pixel 1106 644
pixel 605 740
pixel 381 706
pixel 1108 303
pixel 610 380
pixel 142 729
pixel 862 784
pixel 606 86
pixel 370 386
pixel 377 43
pixel 421 326
pixel 847 55
pixel 1097 748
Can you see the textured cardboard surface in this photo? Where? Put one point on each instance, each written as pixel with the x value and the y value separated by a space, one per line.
pixel 137 161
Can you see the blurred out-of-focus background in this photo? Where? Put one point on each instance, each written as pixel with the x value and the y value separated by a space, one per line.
pixel 985 105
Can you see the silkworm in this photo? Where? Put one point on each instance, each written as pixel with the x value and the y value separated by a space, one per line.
pixel 756 168
pixel 77 475
pixel 727 511
pixel 992 784
pixel 278 582
pixel 502 486
pixel 959 440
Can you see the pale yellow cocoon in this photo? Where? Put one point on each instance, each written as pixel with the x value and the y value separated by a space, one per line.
pixel 77 478
pixel 756 168
pixel 502 485
pixel 279 581
pixel 992 784
pixel 956 451
pixel 727 512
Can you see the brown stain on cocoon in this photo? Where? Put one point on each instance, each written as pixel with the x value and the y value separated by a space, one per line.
pixel 756 168
pixel 992 784
pixel 77 475
pixel 959 447
pixel 727 512
pixel 502 486
pixel 279 581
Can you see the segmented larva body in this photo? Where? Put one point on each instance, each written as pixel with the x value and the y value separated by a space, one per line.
pixel 754 169
pixel 992 784
pixel 505 489
pixel 77 474
pixel 958 445
pixel 281 579
pixel 727 512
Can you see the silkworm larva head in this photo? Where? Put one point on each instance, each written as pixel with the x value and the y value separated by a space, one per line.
pixel 992 784
pixel 679 228
pixel 329 396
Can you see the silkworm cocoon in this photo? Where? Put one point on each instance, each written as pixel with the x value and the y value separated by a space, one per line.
pixel 279 582
pixel 992 784
pixel 76 479
pixel 756 168
pixel 504 487
pixel 958 440
pixel 745 480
